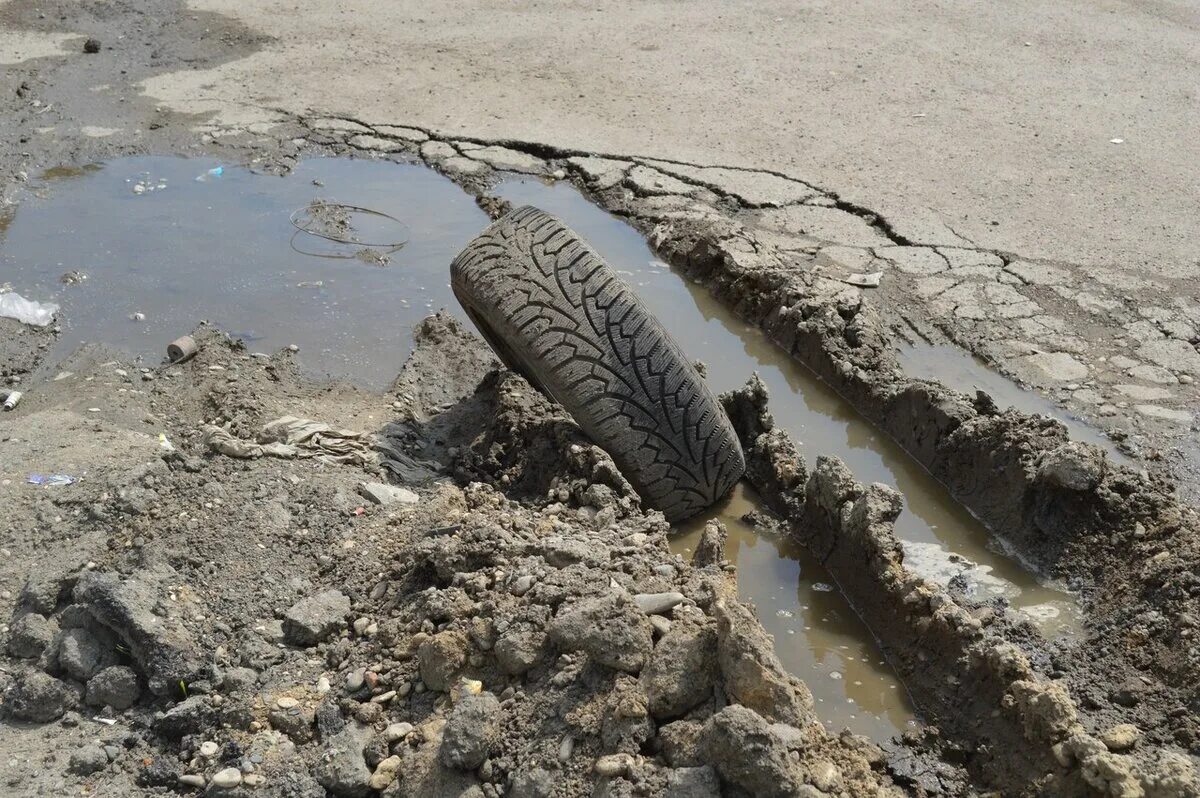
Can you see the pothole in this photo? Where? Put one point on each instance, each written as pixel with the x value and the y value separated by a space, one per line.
pixel 194 243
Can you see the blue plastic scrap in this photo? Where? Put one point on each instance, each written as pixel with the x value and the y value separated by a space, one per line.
pixel 51 479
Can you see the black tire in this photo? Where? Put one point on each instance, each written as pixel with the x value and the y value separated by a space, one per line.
pixel 555 313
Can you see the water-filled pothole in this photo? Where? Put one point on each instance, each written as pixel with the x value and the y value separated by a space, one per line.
pixel 221 247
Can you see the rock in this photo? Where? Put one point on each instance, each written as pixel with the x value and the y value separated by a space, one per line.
pixel 681 671
pixel 190 716
pixel 679 743
pixel 239 680
pixel 164 651
pixel 386 495
pixel 613 765
pixel 519 649
pixel 825 776
pixel 42 593
pixel 82 655
pixel 313 619
pixel 341 769
pixel 752 673
pixel 227 779
pixel 611 629
pixel 710 549
pixel 91 46
pixel 385 772
pixel 739 744
pixel 192 780
pixel 441 658
pixel 658 603
pixel 701 782
pixel 533 783
pixel 115 686
pixel 1121 737
pixel 30 634
pixel 1074 466
pixel 471 732
pixel 397 731
pixel 39 697
pixel 521 585
pixel 209 749
pixel 88 759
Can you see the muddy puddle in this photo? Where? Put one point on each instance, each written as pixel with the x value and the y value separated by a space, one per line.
pixel 200 240
pixel 162 243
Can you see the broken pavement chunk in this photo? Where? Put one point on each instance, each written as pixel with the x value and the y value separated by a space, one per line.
pixel 161 646
pixel 313 619
pixel 383 494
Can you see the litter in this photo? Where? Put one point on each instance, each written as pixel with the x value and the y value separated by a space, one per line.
pixel 864 280
pixel 165 444
pixel 216 171
pixel 289 437
pixel 181 349
pixel 27 311
pixel 51 479
pixel 11 399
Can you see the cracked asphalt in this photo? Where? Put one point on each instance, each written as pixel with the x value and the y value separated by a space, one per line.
pixel 1024 177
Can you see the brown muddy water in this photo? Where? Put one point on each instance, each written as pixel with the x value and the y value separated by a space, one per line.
pixel 166 243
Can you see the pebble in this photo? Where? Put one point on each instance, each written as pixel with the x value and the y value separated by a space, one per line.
pixel 566 748
pixel 383 698
pixel 613 765
pixel 254 780
pixel 286 702
pixel 208 749
pixel 658 603
pixel 354 681
pixel 323 685
pixel 192 780
pixel 397 731
pixel 522 585
pixel 1121 737
pixel 229 777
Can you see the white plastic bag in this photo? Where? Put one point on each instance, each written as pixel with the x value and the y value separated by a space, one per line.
pixel 15 306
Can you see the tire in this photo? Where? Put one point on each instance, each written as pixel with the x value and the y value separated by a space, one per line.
pixel 557 314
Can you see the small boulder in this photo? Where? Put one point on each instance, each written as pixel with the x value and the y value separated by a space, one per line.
pixel 681 671
pixel 611 629
pixel 88 759
pixel 82 654
pixel 1074 466
pixel 30 634
pixel 471 732
pixel 342 769
pixel 313 619
pixel 40 698
pixel 115 686
pixel 441 658
pixel 738 742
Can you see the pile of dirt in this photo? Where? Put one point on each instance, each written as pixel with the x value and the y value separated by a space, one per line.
pixel 514 624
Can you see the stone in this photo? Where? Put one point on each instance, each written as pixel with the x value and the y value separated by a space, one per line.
pixel 190 716
pixel 710 549
pixel 227 779
pixel 88 759
pixel 164 651
pixel 397 731
pixel 115 686
pixel 30 634
pixel 611 629
pixel 313 619
pixel 739 744
pixel 471 732
pixel 192 780
pixel 519 649
pixel 1056 366
pixel 1074 466
pixel 42 593
pixel 752 672
pixel 209 749
pixel 441 658
pixel 1121 737
pixel 82 655
pixel 39 697
pixel 679 743
pixel 387 495
pixel 681 671
pixel 658 603
pixel 385 773
pixel 341 768
pixel 698 782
